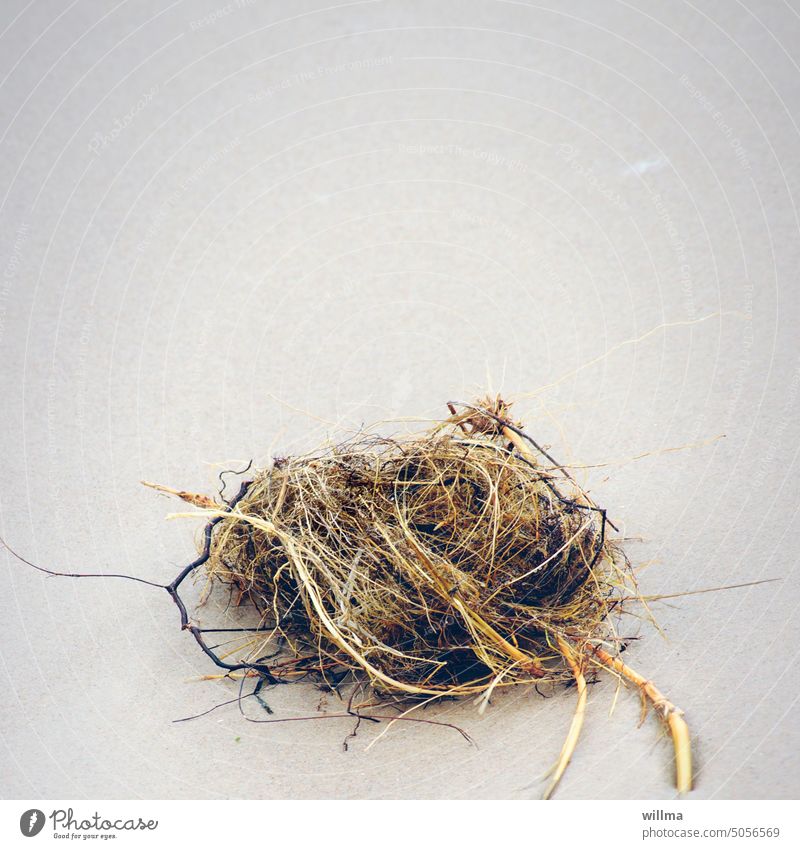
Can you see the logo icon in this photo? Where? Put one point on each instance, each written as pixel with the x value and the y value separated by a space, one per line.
pixel 31 822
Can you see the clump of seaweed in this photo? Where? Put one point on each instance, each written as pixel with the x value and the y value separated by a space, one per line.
pixel 444 564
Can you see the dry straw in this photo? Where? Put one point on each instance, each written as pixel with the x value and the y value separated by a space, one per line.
pixel 445 564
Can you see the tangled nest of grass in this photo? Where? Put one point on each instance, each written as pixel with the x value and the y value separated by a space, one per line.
pixel 444 564
pixel 435 564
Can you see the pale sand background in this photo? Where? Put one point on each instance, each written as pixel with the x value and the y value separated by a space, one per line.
pixel 364 210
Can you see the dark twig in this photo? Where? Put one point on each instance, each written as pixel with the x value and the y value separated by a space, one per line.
pixel 231 472
pixel 194 630
pixel 78 574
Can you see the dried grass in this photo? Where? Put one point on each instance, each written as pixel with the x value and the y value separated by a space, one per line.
pixel 444 564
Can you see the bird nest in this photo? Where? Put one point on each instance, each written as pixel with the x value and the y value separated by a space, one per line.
pixel 443 564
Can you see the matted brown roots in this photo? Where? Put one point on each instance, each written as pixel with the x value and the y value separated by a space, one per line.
pixel 442 564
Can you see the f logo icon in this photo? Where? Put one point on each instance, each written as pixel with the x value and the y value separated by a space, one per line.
pixel 31 822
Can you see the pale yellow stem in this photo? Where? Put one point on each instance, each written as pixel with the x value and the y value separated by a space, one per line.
pixel 577 719
pixel 672 715
pixel 520 444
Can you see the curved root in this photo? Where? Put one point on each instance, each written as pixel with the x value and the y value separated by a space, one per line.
pixel 671 714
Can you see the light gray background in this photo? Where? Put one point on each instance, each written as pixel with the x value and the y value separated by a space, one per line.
pixel 228 230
